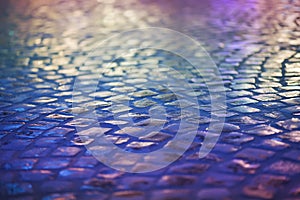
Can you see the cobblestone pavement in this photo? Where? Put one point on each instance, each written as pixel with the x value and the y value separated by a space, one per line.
pixel 255 45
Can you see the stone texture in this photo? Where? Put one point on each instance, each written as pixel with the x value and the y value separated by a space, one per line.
pixel 265 186
pixel 47 46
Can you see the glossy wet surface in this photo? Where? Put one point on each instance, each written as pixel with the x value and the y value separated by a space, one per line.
pixel 44 45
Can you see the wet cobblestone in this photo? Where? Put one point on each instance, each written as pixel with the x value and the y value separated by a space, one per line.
pixel 44 46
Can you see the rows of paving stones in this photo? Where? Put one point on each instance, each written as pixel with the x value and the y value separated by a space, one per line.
pixel 43 46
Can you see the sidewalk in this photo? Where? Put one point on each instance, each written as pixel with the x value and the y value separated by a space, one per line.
pixel 44 45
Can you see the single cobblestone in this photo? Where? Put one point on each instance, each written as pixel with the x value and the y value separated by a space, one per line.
pixel 254 154
pixel 176 180
pixel 76 173
pixel 285 167
pixel 66 151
